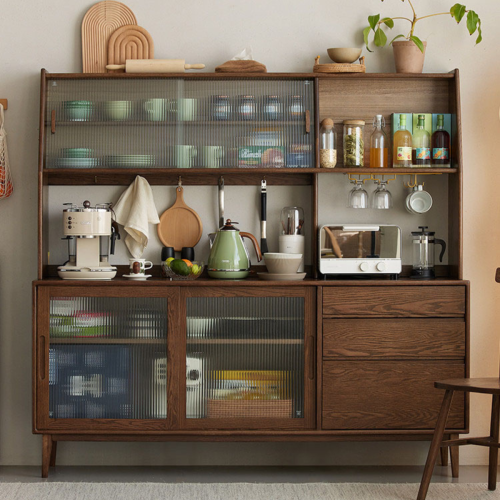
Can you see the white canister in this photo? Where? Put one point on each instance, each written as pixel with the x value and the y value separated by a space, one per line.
pixel 293 243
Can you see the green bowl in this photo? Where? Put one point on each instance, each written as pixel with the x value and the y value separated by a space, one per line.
pixel 76 152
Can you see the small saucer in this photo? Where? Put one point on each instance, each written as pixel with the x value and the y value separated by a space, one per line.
pixel 137 277
pixel 282 276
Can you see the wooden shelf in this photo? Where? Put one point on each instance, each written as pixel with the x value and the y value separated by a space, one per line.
pixel 268 124
pixel 247 341
pixel 101 340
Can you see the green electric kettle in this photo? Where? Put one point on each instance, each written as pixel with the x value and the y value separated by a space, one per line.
pixel 228 257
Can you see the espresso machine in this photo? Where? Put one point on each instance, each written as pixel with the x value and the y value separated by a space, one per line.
pixel 88 231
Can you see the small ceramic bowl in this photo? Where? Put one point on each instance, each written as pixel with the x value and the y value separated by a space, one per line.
pixel 283 263
pixel 76 152
pixel 343 55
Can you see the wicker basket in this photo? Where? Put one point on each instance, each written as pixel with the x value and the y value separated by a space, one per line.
pixel 223 408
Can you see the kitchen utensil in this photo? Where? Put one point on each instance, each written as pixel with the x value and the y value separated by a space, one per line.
pixel 423 244
pixel 283 263
pixel 153 65
pixel 187 253
pixel 128 43
pixel 382 197
pixel 418 201
pixel 263 216
pixel 359 249
pixel 344 55
pixel 180 226
pixel 293 244
pixel 228 257
pixel 292 220
pixel 358 197
pixel 100 21
pixel 167 253
pixel 242 66
pixel 282 277
pixel 221 205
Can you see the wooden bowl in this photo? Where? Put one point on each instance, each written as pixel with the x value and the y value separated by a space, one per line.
pixel 344 55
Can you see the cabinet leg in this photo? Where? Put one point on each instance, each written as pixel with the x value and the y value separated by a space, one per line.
pixel 494 432
pixel 46 454
pixel 53 453
pixel 435 445
pixel 455 454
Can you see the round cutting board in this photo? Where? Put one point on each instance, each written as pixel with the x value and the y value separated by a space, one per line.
pixel 180 226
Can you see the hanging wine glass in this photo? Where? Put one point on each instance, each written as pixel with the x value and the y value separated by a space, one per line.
pixel 382 197
pixel 358 197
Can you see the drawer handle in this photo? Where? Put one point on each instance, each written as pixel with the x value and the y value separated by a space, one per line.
pixel 53 121
pixel 41 357
pixel 308 121
pixel 310 350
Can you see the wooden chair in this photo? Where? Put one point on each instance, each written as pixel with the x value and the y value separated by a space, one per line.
pixel 479 385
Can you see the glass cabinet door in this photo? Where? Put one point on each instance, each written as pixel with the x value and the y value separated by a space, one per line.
pixel 104 357
pixel 246 359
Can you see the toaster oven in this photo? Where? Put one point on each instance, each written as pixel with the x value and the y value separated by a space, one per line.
pixel 368 249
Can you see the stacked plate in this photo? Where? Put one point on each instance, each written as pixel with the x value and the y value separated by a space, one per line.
pixel 130 161
pixel 76 158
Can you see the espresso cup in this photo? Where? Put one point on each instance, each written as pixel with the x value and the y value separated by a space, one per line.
pixel 185 155
pixel 156 109
pixel 118 110
pixel 184 109
pixel 211 156
pixel 139 266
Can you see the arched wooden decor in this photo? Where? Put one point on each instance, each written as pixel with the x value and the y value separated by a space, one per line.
pixel 130 42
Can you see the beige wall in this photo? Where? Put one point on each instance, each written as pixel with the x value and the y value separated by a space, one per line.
pixel 286 36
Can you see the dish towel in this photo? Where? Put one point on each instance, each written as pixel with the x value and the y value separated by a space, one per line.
pixel 134 211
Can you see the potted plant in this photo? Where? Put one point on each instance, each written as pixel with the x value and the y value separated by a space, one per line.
pixel 409 53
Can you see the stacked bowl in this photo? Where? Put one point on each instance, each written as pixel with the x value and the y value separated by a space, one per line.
pixel 282 267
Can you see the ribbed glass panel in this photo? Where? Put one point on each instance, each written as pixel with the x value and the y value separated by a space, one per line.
pixel 158 122
pixel 245 357
pixel 108 358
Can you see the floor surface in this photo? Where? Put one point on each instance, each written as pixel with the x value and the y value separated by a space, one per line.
pixel 468 474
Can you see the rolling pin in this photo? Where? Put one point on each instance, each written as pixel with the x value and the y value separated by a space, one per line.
pixel 155 66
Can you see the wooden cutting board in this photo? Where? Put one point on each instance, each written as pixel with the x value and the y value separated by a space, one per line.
pixel 180 226
pixel 100 21
pixel 129 42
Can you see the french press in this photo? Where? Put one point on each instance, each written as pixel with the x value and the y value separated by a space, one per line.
pixel 423 243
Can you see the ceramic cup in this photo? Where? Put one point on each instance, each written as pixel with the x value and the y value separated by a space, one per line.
pixel 139 266
pixel 418 201
pixel 118 110
pixel 185 155
pixel 156 109
pixel 78 111
pixel 211 156
pixel 184 109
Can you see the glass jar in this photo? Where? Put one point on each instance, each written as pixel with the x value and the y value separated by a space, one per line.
pixel 327 144
pixel 296 107
pixel 273 108
pixel 221 107
pixel 354 144
pixel 247 107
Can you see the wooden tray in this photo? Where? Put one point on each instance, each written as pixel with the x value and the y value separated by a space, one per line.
pixel 340 68
pixel 100 21
pixel 223 408
pixel 241 67
pixel 129 42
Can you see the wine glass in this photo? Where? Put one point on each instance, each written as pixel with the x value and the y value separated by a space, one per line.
pixel 382 197
pixel 358 197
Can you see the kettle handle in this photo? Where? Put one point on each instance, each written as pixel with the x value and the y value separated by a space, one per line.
pixel 255 244
pixel 443 246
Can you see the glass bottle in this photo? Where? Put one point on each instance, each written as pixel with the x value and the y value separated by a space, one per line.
pixel 327 144
pixel 402 145
pixel 354 145
pixel 379 144
pixel 440 145
pixel 421 149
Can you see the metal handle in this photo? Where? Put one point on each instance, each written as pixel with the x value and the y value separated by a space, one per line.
pixel 221 202
pixel 310 349
pixel 308 121
pixel 53 121
pixel 41 357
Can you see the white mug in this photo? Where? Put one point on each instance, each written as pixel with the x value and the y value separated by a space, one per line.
pixel 142 267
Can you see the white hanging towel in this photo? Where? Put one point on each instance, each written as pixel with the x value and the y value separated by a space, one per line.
pixel 134 211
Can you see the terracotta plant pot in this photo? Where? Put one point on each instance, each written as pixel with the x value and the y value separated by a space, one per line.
pixel 408 57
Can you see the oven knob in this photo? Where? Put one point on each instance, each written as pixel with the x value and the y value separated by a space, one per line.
pixel 381 266
pixel 364 266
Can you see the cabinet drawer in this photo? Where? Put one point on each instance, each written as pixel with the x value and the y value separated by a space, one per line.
pixel 394 301
pixel 400 338
pixel 388 395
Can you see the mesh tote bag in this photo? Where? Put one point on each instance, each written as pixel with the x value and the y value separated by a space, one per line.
pixel 5 174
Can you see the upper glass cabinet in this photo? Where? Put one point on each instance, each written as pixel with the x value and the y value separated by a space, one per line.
pixel 179 123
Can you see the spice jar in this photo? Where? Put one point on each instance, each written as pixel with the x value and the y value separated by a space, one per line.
pixel 354 145
pixel 327 144
pixel 296 108
pixel 273 108
pixel 247 107
pixel 221 107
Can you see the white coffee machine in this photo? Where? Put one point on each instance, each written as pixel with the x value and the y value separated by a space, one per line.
pixel 88 231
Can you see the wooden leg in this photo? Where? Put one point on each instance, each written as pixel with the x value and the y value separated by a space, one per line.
pixel 455 454
pixel 435 445
pixel 494 432
pixel 53 454
pixel 46 452
pixel 444 454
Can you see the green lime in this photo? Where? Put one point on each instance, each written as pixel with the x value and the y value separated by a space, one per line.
pixel 179 267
